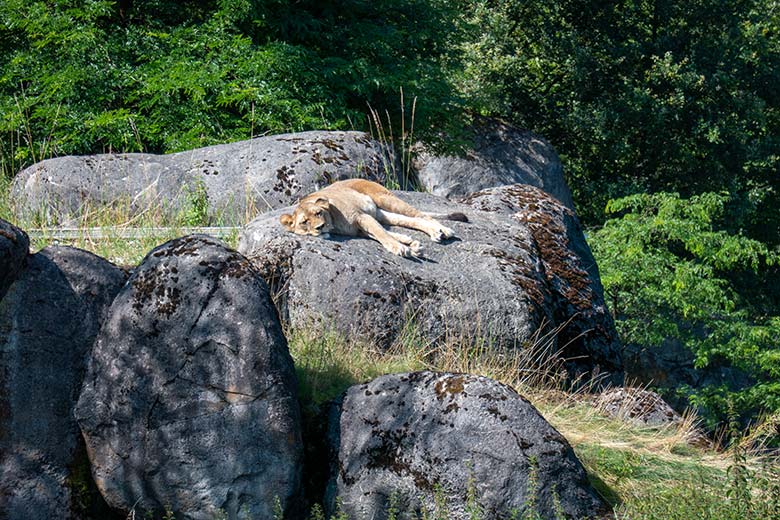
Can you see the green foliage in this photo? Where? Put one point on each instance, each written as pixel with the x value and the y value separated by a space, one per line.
pixel 640 96
pixel 746 493
pixel 668 272
pixel 316 513
pixel 278 509
pixel 196 212
pixel 162 76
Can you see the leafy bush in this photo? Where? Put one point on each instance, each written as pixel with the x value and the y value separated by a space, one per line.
pixel 163 76
pixel 670 271
pixel 640 96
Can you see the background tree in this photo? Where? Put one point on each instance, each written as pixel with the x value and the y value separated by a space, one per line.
pixel 641 96
pixel 163 76
pixel 668 267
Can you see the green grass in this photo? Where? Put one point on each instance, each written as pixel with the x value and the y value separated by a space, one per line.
pixel 645 473
pixel 111 220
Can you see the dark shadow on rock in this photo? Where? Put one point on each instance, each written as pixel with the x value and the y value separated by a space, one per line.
pixel 48 322
pixel 497 154
pixel 14 247
pixel 190 401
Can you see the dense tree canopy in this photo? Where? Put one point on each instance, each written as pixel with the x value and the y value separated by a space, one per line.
pixel 640 97
pixel 671 271
pixel 162 76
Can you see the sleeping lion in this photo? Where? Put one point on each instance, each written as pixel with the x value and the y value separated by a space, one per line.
pixel 358 207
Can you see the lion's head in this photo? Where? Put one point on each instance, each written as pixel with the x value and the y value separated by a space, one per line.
pixel 311 217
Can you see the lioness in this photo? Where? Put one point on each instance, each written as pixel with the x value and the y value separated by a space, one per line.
pixel 359 207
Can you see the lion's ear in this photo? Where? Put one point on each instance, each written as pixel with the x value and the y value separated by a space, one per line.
pixel 322 202
pixel 286 221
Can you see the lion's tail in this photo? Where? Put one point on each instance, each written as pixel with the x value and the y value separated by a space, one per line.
pixel 457 216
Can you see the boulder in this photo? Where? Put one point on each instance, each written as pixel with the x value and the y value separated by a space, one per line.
pixel 428 441
pixel 637 406
pixel 230 182
pixel 497 154
pixel 190 401
pixel 497 282
pixel 49 319
pixel 570 270
pixel 14 247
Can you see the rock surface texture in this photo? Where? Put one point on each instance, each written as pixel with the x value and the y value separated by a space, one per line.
pixel 514 274
pixel 14 247
pixel 49 319
pixel 421 438
pixel 234 180
pixel 637 406
pixel 574 287
pixel 498 154
pixel 190 401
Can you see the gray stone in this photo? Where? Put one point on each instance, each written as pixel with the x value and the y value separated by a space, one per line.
pixel 190 401
pixel 498 154
pixel 496 282
pixel 48 323
pixel 637 406
pixel 569 269
pixel 14 247
pixel 237 179
pixel 466 440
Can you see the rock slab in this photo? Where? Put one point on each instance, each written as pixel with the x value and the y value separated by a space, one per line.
pixel 232 181
pixel 497 154
pixel 190 402
pixel 427 441
pixel 511 278
pixel 14 247
pixel 49 319
pixel 586 332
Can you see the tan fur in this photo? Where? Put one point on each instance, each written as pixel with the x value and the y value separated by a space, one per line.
pixel 359 207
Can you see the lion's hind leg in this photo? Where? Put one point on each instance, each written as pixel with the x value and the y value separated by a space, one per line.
pixel 432 228
pixel 389 202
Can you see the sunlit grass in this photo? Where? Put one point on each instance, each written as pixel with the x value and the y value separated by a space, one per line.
pixel 104 229
pixel 645 473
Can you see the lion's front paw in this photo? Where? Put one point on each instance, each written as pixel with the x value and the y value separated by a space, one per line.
pixel 416 248
pixel 410 251
pixel 440 233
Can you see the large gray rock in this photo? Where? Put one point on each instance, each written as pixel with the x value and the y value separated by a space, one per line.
pixel 190 401
pixel 475 443
pixel 577 296
pixel 497 282
pixel 14 247
pixel 48 323
pixel 498 154
pixel 234 181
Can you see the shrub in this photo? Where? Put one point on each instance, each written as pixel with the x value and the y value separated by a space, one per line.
pixel 670 271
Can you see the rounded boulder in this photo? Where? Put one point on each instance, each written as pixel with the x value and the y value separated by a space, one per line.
pixel 223 183
pixel 190 402
pixel 49 319
pixel 14 247
pixel 429 443
pixel 497 154
pixel 508 280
